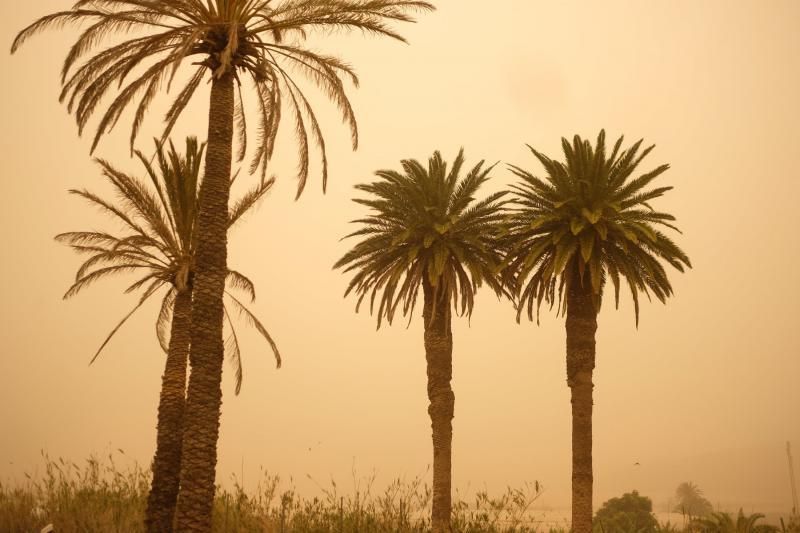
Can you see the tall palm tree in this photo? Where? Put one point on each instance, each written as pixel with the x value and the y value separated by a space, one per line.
pixel 586 222
pixel 234 39
pixel 159 242
pixel 426 229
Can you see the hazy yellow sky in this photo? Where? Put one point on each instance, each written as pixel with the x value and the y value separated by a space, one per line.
pixel 706 390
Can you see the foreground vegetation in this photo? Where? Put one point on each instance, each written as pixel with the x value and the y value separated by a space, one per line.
pixel 101 497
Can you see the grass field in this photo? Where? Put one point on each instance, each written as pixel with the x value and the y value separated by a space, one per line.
pixel 98 497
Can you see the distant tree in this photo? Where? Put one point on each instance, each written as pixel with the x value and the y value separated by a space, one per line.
pixel 723 523
pixel 691 501
pixel 630 513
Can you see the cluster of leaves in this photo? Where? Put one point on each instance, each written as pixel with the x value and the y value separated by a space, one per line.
pixel 587 220
pixel 425 227
pixel 255 41
pixel 718 522
pixel 158 240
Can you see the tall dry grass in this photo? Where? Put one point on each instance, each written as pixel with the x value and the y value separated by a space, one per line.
pixel 98 496
pixel 101 497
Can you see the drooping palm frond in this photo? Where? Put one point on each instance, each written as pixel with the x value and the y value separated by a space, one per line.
pixel 255 40
pixel 585 222
pixel 248 200
pixel 424 223
pixel 158 239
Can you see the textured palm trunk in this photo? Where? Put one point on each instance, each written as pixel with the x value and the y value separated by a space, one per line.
pixel 439 357
pixel 204 395
pixel 167 461
pixel 581 327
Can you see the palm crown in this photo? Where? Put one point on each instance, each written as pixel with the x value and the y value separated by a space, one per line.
pixel 425 226
pixel 159 239
pixel 246 38
pixel 587 220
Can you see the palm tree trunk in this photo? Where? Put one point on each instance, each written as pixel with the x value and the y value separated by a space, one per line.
pixel 439 357
pixel 581 327
pixel 204 396
pixel 167 461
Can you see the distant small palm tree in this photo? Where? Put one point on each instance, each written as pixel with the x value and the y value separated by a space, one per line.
pixel 159 242
pixel 586 222
pixel 723 523
pixel 691 501
pixel 425 228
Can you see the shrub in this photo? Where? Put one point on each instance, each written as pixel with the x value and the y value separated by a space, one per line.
pixel 630 513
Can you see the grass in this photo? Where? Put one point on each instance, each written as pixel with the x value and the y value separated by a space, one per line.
pixel 99 497
pixel 95 497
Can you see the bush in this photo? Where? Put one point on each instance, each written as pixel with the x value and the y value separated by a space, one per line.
pixel 630 513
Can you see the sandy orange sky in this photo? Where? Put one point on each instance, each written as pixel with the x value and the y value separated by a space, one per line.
pixel 705 390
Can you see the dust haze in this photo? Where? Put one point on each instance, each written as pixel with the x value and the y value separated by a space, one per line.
pixel 705 390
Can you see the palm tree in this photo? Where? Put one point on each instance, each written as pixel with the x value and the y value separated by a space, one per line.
pixel 691 501
pixel 586 222
pixel 234 39
pixel 723 523
pixel 425 228
pixel 159 242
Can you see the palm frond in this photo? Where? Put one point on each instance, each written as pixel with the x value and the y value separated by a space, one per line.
pixel 234 352
pixel 253 321
pixel 249 200
pixel 147 294
pixel 164 319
